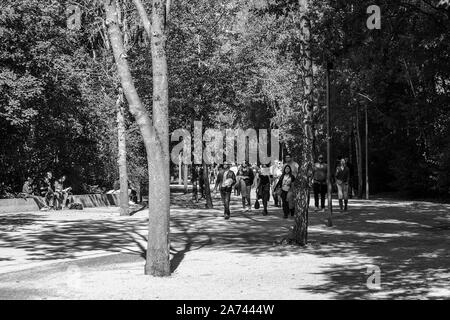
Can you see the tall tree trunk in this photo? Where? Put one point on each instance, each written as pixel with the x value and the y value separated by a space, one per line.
pixel 158 249
pixel 158 254
pixel 122 159
pixel 358 154
pixel 304 178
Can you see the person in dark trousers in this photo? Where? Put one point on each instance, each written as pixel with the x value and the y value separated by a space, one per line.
pixel 286 182
pixel 342 180
pixel 226 180
pixel 194 180
pixel 246 177
pixel 350 178
pixel 219 169
pixel 320 183
pixel 201 182
pixel 264 180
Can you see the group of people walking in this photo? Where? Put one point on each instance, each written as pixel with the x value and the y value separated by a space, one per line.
pixel 278 180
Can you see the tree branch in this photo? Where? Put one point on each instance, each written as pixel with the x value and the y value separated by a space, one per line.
pixel 144 17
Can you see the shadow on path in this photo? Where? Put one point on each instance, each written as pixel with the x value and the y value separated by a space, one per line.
pixel 409 242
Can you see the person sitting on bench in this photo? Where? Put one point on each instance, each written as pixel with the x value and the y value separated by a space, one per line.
pixel 46 191
pixel 61 194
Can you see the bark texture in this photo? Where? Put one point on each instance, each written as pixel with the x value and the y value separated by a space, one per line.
pixel 304 178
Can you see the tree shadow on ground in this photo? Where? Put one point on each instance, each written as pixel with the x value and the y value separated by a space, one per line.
pixel 409 244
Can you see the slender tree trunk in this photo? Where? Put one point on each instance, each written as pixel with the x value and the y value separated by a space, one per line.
pixel 122 159
pixel 185 177
pixel 155 141
pixel 304 178
pixel 358 154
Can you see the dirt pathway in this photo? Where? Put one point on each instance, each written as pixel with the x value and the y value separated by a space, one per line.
pixel 237 259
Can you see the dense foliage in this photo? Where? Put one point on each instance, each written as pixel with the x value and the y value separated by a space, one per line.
pixel 231 64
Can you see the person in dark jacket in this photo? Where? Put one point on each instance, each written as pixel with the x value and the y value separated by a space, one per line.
pixel 245 176
pixel 286 182
pixel 264 179
pixel 226 179
pixel 320 183
pixel 342 179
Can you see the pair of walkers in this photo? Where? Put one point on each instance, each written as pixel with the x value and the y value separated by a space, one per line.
pixel 342 178
pixel 245 178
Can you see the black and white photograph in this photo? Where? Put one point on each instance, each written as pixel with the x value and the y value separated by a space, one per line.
pixel 226 155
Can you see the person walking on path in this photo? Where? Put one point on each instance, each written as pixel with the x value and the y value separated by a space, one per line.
pixel 194 180
pixel 342 180
pixel 226 180
pixel 320 183
pixel 235 170
pixel 246 177
pixel 276 171
pixel 286 183
pixel 219 170
pixel 289 161
pixel 264 180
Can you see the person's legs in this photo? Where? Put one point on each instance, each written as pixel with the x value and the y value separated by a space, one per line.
pixel 227 203
pixel 285 203
pixel 345 188
pixel 323 192
pixel 65 197
pixel 340 195
pixel 275 199
pixel 50 199
pixel 265 198
pixel 316 188
pixel 290 199
pixel 249 203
